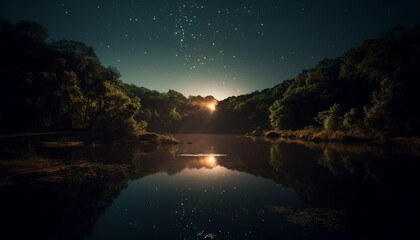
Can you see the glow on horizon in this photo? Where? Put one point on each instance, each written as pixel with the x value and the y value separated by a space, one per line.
pixel 217 94
pixel 203 86
pixel 212 107
pixel 224 50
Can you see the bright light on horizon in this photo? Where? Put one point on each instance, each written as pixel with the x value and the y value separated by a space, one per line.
pixel 212 107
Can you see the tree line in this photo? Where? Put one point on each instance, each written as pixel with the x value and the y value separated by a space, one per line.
pixel 371 88
pixel 61 85
pixel 56 85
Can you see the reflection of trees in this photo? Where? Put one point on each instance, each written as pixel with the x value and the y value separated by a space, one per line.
pixel 59 193
pixel 316 174
pixel 295 167
pixel 355 163
pixel 374 185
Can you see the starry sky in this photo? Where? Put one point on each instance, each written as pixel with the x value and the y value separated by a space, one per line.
pixel 214 47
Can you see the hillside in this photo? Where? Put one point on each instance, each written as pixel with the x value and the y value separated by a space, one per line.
pixel 61 85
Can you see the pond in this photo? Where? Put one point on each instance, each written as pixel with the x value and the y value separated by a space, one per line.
pixel 209 187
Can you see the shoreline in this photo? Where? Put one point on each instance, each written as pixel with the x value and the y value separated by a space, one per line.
pixel 88 138
pixel 344 137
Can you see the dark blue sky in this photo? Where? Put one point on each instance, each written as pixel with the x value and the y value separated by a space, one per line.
pixel 214 47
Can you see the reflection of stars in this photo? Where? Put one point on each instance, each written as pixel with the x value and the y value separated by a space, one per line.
pixel 210 235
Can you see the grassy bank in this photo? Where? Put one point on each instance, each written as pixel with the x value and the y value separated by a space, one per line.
pixel 344 136
pixel 80 138
pixel 154 138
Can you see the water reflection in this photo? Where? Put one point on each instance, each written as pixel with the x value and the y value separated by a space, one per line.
pixel 373 186
pixel 207 160
pixel 221 187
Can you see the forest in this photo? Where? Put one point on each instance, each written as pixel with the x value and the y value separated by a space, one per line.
pixel 51 85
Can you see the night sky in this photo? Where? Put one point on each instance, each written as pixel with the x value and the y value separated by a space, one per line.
pixel 214 47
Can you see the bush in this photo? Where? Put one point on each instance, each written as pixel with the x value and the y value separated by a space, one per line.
pixel 330 119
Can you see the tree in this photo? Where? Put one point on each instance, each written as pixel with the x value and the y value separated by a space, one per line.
pixel 59 85
pixel 281 116
pixel 175 115
pixel 331 118
pixel 352 119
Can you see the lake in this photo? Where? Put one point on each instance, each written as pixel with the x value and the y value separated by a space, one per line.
pixel 209 187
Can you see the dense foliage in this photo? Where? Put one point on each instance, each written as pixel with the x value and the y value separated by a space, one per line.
pixel 369 88
pixel 53 85
pixel 372 87
pixel 172 112
pixel 59 85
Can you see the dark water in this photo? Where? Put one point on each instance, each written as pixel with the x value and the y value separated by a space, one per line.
pixel 217 187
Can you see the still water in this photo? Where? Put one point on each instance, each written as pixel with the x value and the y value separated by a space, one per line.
pixel 209 187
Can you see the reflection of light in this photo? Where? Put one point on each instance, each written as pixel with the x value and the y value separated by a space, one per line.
pixel 211 161
pixel 202 155
pixel 205 173
pixel 203 160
